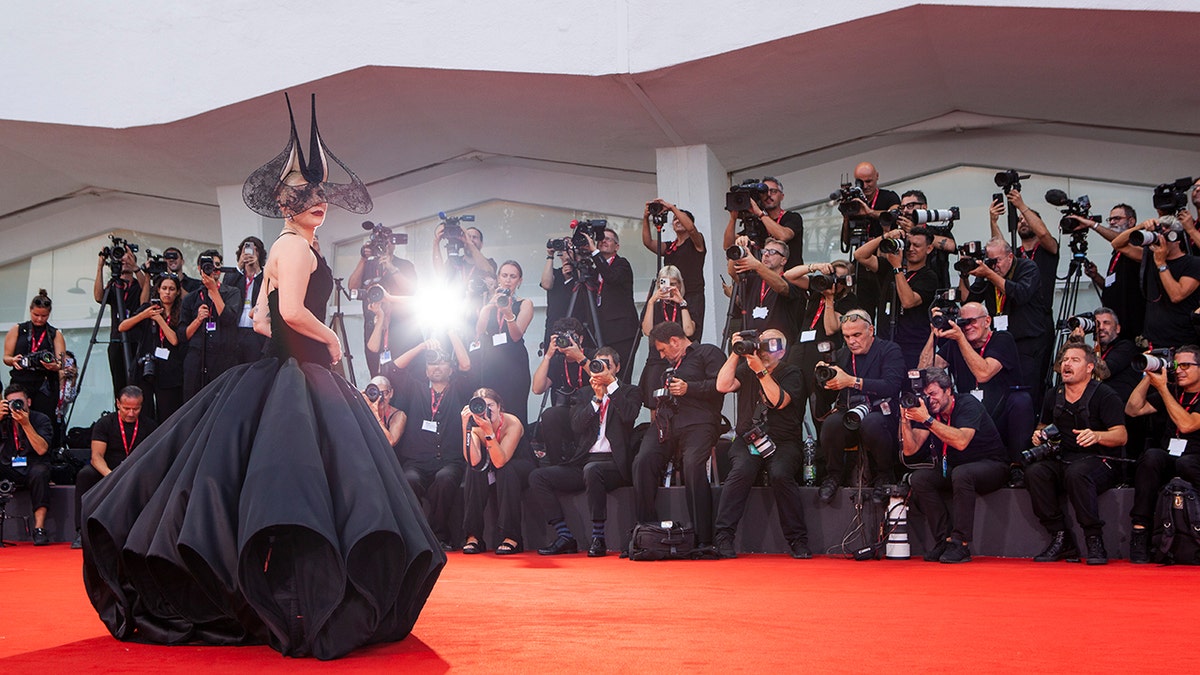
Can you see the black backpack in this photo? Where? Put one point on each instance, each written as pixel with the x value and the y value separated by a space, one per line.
pixel 1179 523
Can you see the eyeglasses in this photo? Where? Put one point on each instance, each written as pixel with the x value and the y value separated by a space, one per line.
pixel 1117 219
pixel 774 191
pixel 770 251
pixel 1184 365
pixel 912 207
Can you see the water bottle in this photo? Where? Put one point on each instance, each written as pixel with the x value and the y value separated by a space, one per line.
pixel 810 457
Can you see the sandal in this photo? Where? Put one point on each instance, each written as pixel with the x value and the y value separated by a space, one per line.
pixel 508 548
pixel 472 547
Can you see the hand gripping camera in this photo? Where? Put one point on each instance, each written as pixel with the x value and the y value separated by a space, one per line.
pixel 1051 447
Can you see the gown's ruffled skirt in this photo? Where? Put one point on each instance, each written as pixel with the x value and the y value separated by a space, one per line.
pixel 270 508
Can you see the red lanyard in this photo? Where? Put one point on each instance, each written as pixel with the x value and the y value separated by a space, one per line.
pixel 249 285
pixel 671 248
pixel 820 312
pixel 435 400
pixel 854 364
pixel 985 344
pixel 600 286
pixel 603 409
pixel 36 344
pixel 16 439
pixel 578 374
pixel 1029 254
pixel 1113 265
pixel 874 199
pixel 1188 406
pixel 501 324
pixel 762 293
pixel 673 316
pixel 127 443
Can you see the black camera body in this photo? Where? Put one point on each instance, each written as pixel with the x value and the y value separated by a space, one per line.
pixel 37 360
pixel 17 404
pixel 911 399
pixel 156 265
pixel 561 245
pixel 381 238
pixel 503 297
pixel 208 265
pixel 1009 179
pixel 823 374
pixel 748 344
pixel 1071 207
pixel 591 228
pixel 115 253
pixel 662 395
pixel 372 392
pixel 845 196
pixel 860 408
pixel 1051 447
pixel 970 255
pixel 565 340
pixel 146 361
pixel 1172 197
pixel 452 232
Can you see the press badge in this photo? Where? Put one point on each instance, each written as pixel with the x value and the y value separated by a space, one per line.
pixel 162 353
pixel 474 346
pixel 385 357
pixel 499 339
pixel 808 335
pixel 1000 322
pixel 20 462
pixel 210 326
pixel 758 313
pixel 429 425
pixel 1110 280
pixel 1176 447
pixel 977 393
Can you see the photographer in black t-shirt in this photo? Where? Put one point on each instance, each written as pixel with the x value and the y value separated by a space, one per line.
pixel 24 441
pixel 686 253
pixel 786 226
pixel 114 437
pixel 128 285
pixel 397 276
pixel 562 372
pixel 864 215
pixel 1170 279
pixel 908 287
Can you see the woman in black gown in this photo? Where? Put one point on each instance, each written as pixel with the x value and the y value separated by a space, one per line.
pixel 270 508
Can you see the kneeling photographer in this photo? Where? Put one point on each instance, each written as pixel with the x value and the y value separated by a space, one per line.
pixel 967 455
pixel 1082 421
pixel 562 372
pixel 867 374
pixel 770 412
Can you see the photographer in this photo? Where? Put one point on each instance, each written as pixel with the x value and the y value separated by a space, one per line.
pixel 685 253
pixel 770 395
pixel 601 419
pixel 252 255
pixel 864 215
pixel 209 319
pixel 164 348
pixel 24 441
pixel 908 289
pixel 173 257
pixel 34 350
pixel 1090 419
pixel 666 303
pixel 503 357
pixel 614 294
pixel 943 243
pixel 785 226
pixel 1037 243
pixel 968 456
pixel 496 456
pixel 1010 289
pixel 866 372
pixel 378 395
pixel 766 299
pixel 687 426
pixel 1117 353
pixel 562 371
pixel 1177 450
pixel 397 276
pixel 430 449
pixel 114 436
pixel 464 253
pixel 1169 283
pixel 128 285
pixel 985 364
pixel 1119 286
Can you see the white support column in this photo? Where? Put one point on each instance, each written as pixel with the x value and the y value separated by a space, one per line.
pixel 239 222
pixel 691 177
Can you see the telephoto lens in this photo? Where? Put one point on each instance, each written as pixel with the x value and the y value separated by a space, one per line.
pixel 477 405
pixel 889 245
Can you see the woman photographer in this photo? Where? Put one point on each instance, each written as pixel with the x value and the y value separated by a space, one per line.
pixel 34 349
pixel 493 448
pixel 160 364
pixel 501 326
pixel 665 303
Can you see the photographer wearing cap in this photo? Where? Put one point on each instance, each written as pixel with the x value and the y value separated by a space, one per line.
pixel 209 317
pixel 397 276
pixel 114 436
pixel 1010 289
pixel 969 460
pixel 686 421
pixel 562 372
pixel 985 364
pixel 1119 285
pixel 866 374
pixel 601 417
pixel 24 440
pixel 908 285
pixel 686 253
pixel 784 226
pixel 1090 420
pixel 1176 452
pixel 252 255
pixel 770 412
pixel 1170 278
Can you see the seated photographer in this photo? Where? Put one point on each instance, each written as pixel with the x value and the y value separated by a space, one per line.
pixel 163 349
pixel 209 319
pixel 601 420
pixel 768 212
pixel 1176 452
pixel 378 395
pixel 252 255
pixel 114 436
pixel 866 374
pixel 34 349
pixel 765 298
pixel 770 414
pixel 495 454
pixel 1088 420
pixel 614 294
pixel 685 253
pixel 968 457
pixel 907 289
pixel 503 359
pixel 687 425
pixel 665 303
pixel 24 441
pixel 125 279
pixel 1170 288
pixel 562 372
pixel 378 265
pixel 1010 289
pixel 430 449
pixel 1120 284
pixel 984 363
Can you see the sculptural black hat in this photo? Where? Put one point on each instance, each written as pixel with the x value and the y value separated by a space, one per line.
pixel 288 184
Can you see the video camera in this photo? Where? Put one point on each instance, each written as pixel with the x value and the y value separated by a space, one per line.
pixel 590 228
pixel 1071 207
pixel 1051 447
pixel 845 196
pixel 452 232
pixel 1154 361
pixel 115 253
pixel 381 238
pixel 739 196
pixel 658 213
pixel 970 255
pixel 1009 179
pixel 1172 197
pixel 155 265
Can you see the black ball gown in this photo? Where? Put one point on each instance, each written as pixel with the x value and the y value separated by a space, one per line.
pixel 270 508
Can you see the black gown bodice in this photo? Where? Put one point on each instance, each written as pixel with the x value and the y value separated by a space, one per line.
pixel 285 341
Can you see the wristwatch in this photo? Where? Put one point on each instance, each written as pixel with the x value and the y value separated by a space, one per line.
pixel 762 373
pixel 489 438
pixel 897 270
pixel 1162 268
pixel 928 420
pixel 683 303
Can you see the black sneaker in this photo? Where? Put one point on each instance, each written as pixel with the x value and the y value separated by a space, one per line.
pixel 1062 547
pixel 78 543
pixel 800 550
pixel 1139 546
pixel 956 552
pixel 40 538
pixel 1096 555
pixel 827 491
pixel 723 543
pixel 935 554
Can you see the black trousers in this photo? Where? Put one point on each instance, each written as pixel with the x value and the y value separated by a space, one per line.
pixel 1035 361
pixel 116 365
pixel 782 467
pixel 1015 420
pixel 876 437
pixel 36 479
pixel 694 444
pixel 85 480
pixel 596 478
pixel 439 487
pixel 963 485
pixel 1083 480
pixel 555 430
pixel 1155 468
pixel 510 481
pixel 215 354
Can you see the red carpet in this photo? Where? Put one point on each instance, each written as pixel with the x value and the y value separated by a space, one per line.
pixel 754 614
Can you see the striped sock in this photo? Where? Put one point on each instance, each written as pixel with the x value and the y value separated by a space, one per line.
pixel 597 528
pixel 560 526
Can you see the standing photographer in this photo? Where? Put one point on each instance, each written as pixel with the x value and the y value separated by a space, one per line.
pixel 378 265
pixel 770 411
pixel 1119 286
pixel 464 253
pixel 1170 280
pixel 209 319
pixel 864 215
pixel 867 372
pixel 1089 418
pixel 768 212
pixel 909 288
pixel 126 280
pixel 665 303
pixel 1037 242
pixel 614 294
pixel 24 441
pixel 503 357
pixel 34 350
pixel 164 348
pixel 686 253
pixel 968 456
pixel 252 255
pixel 766 299
pixel 173 257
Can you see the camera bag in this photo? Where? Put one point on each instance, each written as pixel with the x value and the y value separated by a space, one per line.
pixel 650 541
pixel 1179 523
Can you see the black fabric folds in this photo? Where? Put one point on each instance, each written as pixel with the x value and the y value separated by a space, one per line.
pixel 270 508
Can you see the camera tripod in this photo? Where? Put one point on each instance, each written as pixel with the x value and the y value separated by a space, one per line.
pixel 659 220
pixel 114 289
pixel 337 323
pixel 593 330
